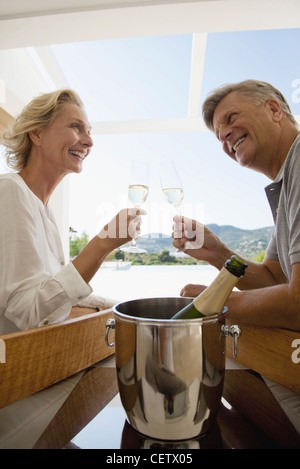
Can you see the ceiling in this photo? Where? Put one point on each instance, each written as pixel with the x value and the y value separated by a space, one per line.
pixel 28 29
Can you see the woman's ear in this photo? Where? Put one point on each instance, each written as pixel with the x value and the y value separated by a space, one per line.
pixel 35 136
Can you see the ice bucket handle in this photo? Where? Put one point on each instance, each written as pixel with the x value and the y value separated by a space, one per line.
pixel 235 333
pixel 110 325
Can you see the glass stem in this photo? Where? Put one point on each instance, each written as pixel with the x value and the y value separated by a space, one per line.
pixel 177 209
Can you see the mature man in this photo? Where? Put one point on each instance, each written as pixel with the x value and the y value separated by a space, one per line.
pixel 254 124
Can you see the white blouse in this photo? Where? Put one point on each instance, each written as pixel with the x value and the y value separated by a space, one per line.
pixel 36 287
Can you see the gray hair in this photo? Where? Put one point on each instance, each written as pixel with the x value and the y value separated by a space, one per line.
pixel 259 91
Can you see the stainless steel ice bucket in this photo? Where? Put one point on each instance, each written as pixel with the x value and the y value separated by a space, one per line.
pixel 170 372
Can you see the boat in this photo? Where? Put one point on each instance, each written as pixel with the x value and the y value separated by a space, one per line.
pixel 116 265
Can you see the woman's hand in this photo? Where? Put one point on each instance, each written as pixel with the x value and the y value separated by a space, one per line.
pixel 122 228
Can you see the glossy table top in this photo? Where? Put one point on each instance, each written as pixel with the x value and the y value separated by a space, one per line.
pixel 111 430
pixel 92 417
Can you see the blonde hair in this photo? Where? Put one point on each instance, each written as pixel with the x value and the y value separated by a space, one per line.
pixel 259 91
pixel 38 114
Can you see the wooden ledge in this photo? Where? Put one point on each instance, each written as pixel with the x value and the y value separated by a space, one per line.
pixel 269 352
pixel 40 357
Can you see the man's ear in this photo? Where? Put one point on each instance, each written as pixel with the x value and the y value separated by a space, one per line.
pixel 275 109
pixel 35 136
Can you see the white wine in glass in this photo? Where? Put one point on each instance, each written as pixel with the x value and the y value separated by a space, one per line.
pixel 137 193
pixel 171 185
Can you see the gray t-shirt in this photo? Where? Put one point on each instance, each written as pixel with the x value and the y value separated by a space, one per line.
pixel 284 199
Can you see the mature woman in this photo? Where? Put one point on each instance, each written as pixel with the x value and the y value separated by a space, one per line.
pixel 50 139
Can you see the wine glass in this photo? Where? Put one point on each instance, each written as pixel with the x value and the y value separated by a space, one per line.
pixel 137 193
pixel 171 185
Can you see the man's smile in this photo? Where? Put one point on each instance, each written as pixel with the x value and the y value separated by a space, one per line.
pixel 240 140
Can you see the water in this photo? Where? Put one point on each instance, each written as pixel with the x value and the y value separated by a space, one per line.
pixel 173 268
pixel 150 280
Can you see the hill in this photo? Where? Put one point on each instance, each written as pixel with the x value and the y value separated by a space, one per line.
pixel 247 243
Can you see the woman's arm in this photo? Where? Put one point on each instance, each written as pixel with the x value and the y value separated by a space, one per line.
pixel 118 231
pixel 34 288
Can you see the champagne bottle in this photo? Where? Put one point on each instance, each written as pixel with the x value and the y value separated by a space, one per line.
pixel 212 300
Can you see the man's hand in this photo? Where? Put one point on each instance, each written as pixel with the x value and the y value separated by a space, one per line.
pixel 198 241
pixel 191 290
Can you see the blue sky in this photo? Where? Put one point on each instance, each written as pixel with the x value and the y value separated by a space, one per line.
pixel 148 78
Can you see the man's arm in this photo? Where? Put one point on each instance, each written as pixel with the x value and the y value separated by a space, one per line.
pixel 260 275
pixel 209 248
pixel 274 306
pixel 277 305
pixel 266 298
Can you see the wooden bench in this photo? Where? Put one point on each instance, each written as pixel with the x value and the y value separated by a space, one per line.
pixel 274 354
pixel 38 358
